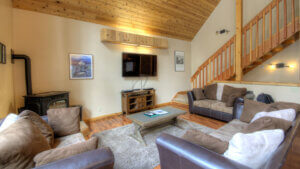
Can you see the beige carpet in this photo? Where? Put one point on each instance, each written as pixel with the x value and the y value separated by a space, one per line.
pixel 131 154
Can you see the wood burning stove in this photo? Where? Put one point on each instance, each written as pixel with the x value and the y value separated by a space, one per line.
pixel 41 102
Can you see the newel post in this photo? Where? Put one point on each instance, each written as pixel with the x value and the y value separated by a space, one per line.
pixel 238 44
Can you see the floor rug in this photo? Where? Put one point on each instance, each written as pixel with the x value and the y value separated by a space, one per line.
pixel 131 154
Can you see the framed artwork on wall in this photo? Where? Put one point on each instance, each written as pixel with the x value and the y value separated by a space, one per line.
pixel 2 53
pixel 81 66
pixel 179 61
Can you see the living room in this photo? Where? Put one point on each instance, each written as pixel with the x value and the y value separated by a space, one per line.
pixel 187 53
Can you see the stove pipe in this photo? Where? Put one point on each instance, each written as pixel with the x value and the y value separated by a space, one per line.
pixel 27 70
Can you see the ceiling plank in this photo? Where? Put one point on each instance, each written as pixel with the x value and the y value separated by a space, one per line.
pixel 171 18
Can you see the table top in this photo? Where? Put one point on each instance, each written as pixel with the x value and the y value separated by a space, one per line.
pixel 142 119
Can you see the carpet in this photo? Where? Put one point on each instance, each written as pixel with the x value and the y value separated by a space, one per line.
pixel 131 154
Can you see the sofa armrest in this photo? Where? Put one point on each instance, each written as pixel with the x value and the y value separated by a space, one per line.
pixel 238 108
pixel 176 153
pixel 101 159
pixel 191 100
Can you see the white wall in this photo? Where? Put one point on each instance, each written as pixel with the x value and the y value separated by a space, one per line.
pixel 206 43
pixel 49 39
pixel 6 76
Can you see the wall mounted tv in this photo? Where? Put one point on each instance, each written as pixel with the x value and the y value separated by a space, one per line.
pixel 136 65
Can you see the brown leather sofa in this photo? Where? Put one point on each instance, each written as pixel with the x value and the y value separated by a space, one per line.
pixel 176 153
pixel 102 158
pixel 210 108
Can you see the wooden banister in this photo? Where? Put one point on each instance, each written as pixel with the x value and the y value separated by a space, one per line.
pixel 260 45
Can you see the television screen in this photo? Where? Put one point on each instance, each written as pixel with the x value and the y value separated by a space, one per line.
pixel 135 65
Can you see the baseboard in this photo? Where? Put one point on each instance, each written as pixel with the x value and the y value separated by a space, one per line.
pixel 102 117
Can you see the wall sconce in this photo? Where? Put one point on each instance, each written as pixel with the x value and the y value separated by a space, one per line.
pixel 281 65
pixel 222 31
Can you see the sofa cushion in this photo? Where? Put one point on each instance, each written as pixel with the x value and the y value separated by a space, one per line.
pixel 44 127
pixel 198 93
pixel 226 132
pixel 231 99
pixel 203 103
pixel 19 143
pixel 220 106
pixel 267 123
pixel 251 108
pixel 228 90
pixel 64 121
pixel 205 140
pixel 55 154
pixel 210 91
pixel 254 149
pixel 68 140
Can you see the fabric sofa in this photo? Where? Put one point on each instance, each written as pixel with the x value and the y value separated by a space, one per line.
pixel 100 158
pixel 177 153
pixel 210 108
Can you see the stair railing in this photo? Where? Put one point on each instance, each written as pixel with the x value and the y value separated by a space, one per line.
pixel 264 34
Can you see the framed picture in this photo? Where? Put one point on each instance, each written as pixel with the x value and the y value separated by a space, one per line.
pixel 81 66
pixel 179 61
pixel 2 53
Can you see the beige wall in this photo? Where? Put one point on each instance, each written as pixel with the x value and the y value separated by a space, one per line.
pixel 6 85
pixel 49 39
pixel 206 42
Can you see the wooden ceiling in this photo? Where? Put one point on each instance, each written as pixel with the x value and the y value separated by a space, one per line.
pixel 180 19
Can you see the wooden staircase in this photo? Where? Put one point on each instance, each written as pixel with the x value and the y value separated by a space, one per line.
pixel 274 28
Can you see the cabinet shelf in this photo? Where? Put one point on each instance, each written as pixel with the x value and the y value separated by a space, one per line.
pixel 136 101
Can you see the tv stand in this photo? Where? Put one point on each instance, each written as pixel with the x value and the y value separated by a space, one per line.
pixel 137 100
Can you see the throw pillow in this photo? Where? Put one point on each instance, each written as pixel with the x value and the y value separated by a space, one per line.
pixel 284 105
pixel 228 90
pixel 65 152
pixel 64 121
pixel 231 99
pixel 267 123
pixel 44 127
pixel 251 108
pixel 9 120
pixel 286 114
pixel 19 143
pixel 254 149
pixel 210 91
pixel 198 93
pixel 205 140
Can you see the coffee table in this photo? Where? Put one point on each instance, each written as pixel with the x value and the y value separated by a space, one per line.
pixel 143 124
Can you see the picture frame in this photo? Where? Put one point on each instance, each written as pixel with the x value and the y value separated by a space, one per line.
pixel 2 53
pixel 81 66
pixel 179 61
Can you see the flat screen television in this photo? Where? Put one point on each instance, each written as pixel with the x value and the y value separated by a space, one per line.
pixel 136 65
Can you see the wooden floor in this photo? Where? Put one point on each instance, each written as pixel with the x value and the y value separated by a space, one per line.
pixel 96 126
